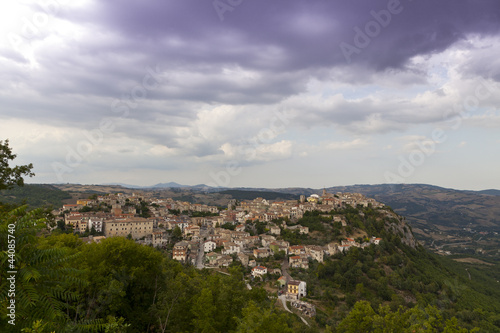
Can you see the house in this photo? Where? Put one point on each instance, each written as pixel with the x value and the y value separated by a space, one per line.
pixel 230 248
pixel 209 246
pixel 375 241
pixel 261 253
pixel 297 249
pixel 275 247
pixel 240 227
pixel 344 248
pixel 243 258
pixel 83 202
pixel 282 281
pixel 239 234
pixel 158 237
pixel 211 258
pixel 296 289
pixel 252 240
pixel 333 248
pixel 275 230
pixel 73 219
pixel 192 230
pixel 137 227
pixel 72 208
pixel 81 226
pixel 315 252
pixel 283 243
pixel 180 252
pixel 298 262
pixel 96 223
pixel 259 271
pixel 224 260
pixel 348 241
pixel 267 239
pixel 241 242
pixel 180 222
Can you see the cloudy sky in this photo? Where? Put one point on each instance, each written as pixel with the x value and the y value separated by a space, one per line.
pixel 258 93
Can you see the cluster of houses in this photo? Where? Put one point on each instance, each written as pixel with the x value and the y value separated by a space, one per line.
pixel 122 220
pixel 264 210
pixel 203 237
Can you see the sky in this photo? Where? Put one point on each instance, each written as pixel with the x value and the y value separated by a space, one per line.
pixel 253 93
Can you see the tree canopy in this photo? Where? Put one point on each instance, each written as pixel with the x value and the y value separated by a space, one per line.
pixel 11 176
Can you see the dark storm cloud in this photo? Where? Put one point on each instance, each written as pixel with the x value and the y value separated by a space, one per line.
pixel 302 34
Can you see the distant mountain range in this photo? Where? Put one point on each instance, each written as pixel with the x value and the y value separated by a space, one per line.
pixel 160 185
pixel 488 192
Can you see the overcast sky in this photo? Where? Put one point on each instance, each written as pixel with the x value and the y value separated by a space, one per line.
pixel 258 93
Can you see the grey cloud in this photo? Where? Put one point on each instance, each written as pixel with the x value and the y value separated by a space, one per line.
pixel 422 27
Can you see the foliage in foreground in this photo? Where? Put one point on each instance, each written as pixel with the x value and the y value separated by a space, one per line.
pixel 64 285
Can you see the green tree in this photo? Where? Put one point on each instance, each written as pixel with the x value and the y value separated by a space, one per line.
pixel 123 280
pixel 256 320
pixel 204 311
pixel 115 325
pixel 45 282
pixel 176 234
pixel 11 176
pixel 360 319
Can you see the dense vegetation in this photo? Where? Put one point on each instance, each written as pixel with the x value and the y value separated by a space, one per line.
pixel 35 195
pixel 65 285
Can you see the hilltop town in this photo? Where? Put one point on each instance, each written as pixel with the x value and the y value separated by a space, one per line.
pixel 262 235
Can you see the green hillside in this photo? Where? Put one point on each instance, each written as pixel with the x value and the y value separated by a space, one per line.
pixel 395 273
pixel 35 195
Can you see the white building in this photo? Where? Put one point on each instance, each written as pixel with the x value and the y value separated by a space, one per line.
pixel 259 271
pixel 209 246
pixel 96 223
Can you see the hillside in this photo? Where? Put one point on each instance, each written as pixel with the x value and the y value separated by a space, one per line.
pixel 445 220
pixel 384 277
pixel 35 195
pixel 433 205
pixel 398 272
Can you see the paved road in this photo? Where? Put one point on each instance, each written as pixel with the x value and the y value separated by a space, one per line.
pixel 283 300
pixel 284 270
pixel 199 258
